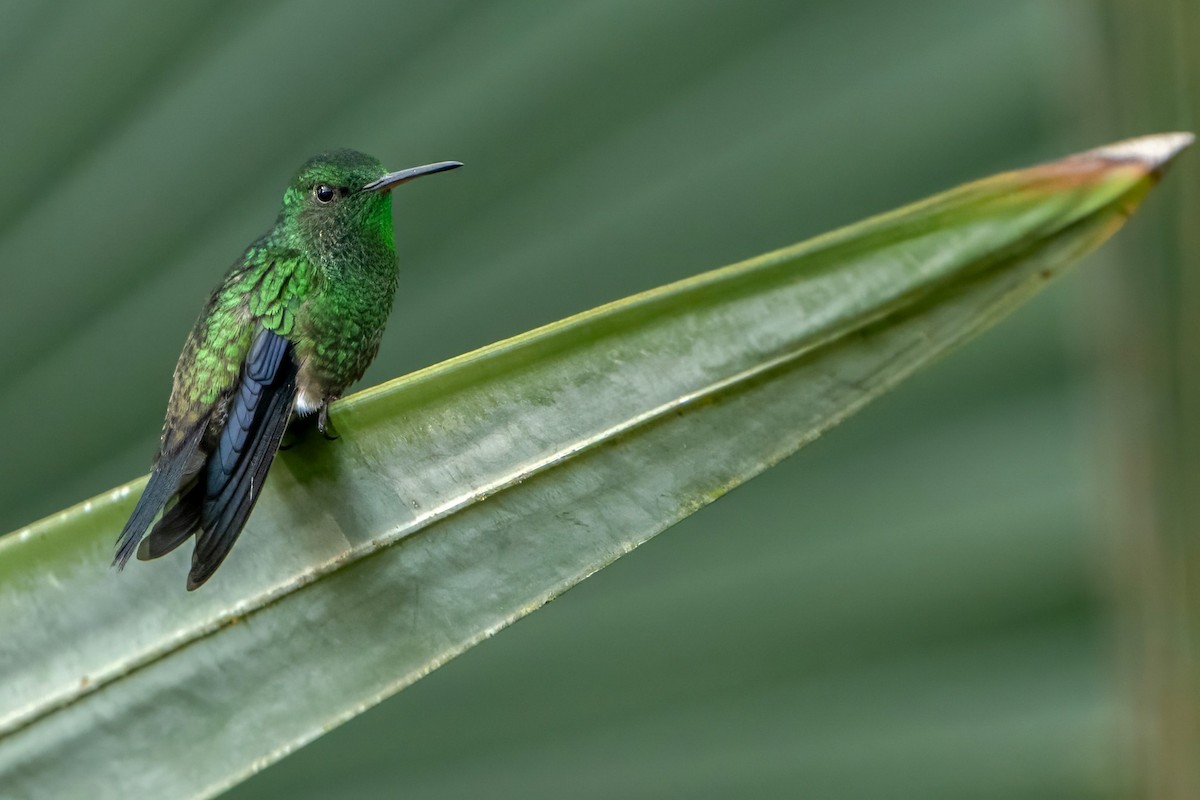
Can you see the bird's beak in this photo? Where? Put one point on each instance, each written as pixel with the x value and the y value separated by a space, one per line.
pixel 394 179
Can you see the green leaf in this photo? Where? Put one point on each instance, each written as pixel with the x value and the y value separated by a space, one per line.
pixel 464 496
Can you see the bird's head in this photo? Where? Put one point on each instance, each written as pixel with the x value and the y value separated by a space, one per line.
pixel 340 202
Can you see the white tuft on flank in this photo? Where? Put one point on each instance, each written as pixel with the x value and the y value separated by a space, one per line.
pixel 305 404
pixel 1154 151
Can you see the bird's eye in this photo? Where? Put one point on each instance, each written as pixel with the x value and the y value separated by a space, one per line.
pixel 324 192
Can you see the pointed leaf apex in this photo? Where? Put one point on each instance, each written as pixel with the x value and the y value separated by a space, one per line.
pixel 1154 151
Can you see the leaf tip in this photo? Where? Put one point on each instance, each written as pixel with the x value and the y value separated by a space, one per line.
pixel 1154 152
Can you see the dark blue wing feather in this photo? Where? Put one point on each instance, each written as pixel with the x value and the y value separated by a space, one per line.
pixel 237 466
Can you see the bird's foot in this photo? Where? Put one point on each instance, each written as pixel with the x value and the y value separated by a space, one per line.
pixel 325 424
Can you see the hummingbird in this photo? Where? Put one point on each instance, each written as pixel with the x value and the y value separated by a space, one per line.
pixel 296 320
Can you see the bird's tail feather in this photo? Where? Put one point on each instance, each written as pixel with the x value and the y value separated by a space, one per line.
pixel 178 523
pixel 170 471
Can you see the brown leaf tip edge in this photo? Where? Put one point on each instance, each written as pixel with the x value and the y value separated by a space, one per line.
pixel 1154 152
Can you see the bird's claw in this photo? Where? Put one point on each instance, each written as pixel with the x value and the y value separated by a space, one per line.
pixel 325 424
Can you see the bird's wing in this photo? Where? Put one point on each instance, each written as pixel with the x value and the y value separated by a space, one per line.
pixel 234 474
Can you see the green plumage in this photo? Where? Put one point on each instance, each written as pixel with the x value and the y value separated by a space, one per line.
pixel 296 320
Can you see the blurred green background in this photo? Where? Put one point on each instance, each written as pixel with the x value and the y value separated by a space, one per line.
pixel 932 602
